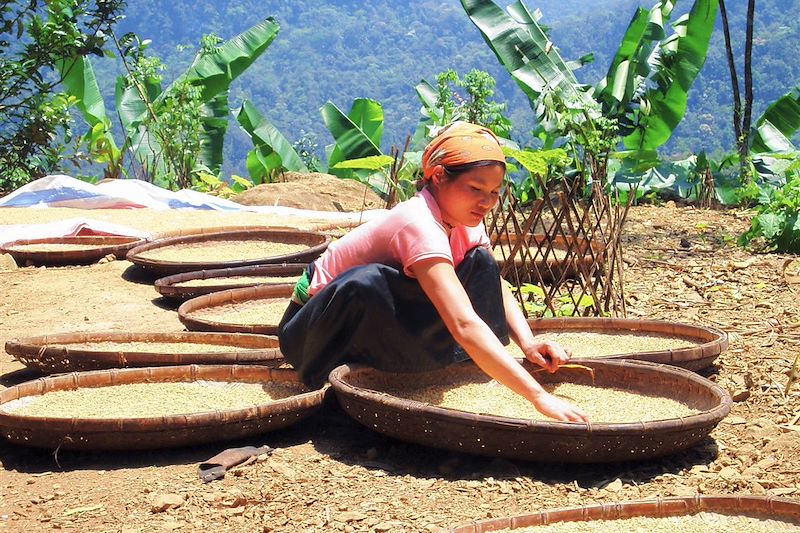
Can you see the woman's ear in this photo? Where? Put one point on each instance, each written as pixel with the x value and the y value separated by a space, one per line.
pixel 436 176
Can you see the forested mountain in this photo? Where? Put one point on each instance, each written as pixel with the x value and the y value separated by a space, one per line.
pixel 338 50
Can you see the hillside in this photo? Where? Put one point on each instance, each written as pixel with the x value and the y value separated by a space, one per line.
pixel 340 50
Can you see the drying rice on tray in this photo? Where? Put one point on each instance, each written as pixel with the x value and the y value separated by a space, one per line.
pixel 605 405
pixel 151 399
pixel 698 523
pixel 219 251
pixel 587 344
pixel 151 347
pixel 56 247
pixel 235 280
pixel 265 311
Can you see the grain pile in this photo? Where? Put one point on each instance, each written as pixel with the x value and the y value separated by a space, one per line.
pixel 604 405
pixel 698 523
pixel 150 399
pixel 265 311
pixel 588 344
pixel 219 251
pixel 151 347
pixel 236 280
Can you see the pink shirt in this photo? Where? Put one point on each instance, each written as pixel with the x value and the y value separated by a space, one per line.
pixel 409 232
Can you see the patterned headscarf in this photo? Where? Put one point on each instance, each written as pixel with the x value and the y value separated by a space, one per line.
pixel 461 143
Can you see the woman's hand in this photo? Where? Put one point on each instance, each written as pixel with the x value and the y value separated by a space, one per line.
pixel 554 407
pixel 547 354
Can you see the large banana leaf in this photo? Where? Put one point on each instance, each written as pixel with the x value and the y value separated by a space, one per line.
pixel 215 71
pixel 630 65
pixel 524 49
pixel 431 115
pixel 357 135
pixel 677 64
pixel 131 108
pixel 774 129
pixel 272 150
pixel 78 80
pixel 215 123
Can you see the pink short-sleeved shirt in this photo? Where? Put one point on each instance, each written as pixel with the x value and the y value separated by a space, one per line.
pixel 410 232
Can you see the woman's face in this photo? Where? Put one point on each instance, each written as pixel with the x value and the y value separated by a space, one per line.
pixel 467 198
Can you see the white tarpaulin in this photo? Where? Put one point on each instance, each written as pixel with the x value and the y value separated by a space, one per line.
pixel 65 191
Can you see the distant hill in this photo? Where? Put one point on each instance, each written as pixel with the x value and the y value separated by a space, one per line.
pixel 340 50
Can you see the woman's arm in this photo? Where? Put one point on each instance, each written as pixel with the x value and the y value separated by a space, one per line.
pixel 440 283
pixel 549 355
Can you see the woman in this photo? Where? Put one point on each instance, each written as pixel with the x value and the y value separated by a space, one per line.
pixel 418 288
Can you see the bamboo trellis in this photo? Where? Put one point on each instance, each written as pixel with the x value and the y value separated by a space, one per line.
pixel 567 244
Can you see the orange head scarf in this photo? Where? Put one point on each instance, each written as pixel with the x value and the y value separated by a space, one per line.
pixel 461 143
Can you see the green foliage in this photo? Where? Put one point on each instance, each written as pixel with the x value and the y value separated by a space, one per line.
pixel 356 135
pixel 473 104
pixel 273 154
pixel 401 186
pixel 171 132
pixel 541 165
pixel 534 297
pixel 210 183
pixel 35 37
pixel 776 227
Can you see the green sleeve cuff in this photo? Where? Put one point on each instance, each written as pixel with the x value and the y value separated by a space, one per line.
pixel 301 288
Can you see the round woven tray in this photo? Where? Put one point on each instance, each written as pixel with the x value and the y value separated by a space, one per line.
pixel 225 278
pixel 155 432
pixel 555 265
pixel 52 354
pixel 98 246
pixel 187 312
pixel 709 341
pixel 358 390
pixel 316 244
pixel 763 507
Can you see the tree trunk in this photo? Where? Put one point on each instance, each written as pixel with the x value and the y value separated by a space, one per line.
pixel 737 100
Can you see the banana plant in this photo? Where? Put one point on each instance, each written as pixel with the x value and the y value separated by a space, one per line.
pixel 79 81
pixel 774 129
pixel 212 71
pixel 272 151
pixel 356 134
pixel 647 84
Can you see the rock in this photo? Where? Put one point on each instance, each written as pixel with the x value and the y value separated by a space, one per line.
pixel 7 262
pixel 162 502
pixel 350 516
pixel 729 473
pixel 740 395
pixel 614 486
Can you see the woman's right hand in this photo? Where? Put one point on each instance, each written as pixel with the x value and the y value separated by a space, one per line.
pixel 554 407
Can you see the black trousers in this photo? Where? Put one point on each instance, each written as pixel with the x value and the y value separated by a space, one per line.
pixel 377 316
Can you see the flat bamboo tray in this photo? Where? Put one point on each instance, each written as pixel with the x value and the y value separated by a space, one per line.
pixel 315 243
pixel 359 391
pixel 188 311
pixel 764 507
pixel 221 279
pixel 551 266
pixel 707 342
pixel 79 250
pixel 160 431
pixel 59 353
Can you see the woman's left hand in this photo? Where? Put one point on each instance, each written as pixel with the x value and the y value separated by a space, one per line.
pixel 548 354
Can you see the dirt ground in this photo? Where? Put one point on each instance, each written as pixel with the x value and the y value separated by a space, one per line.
pixel 331 474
